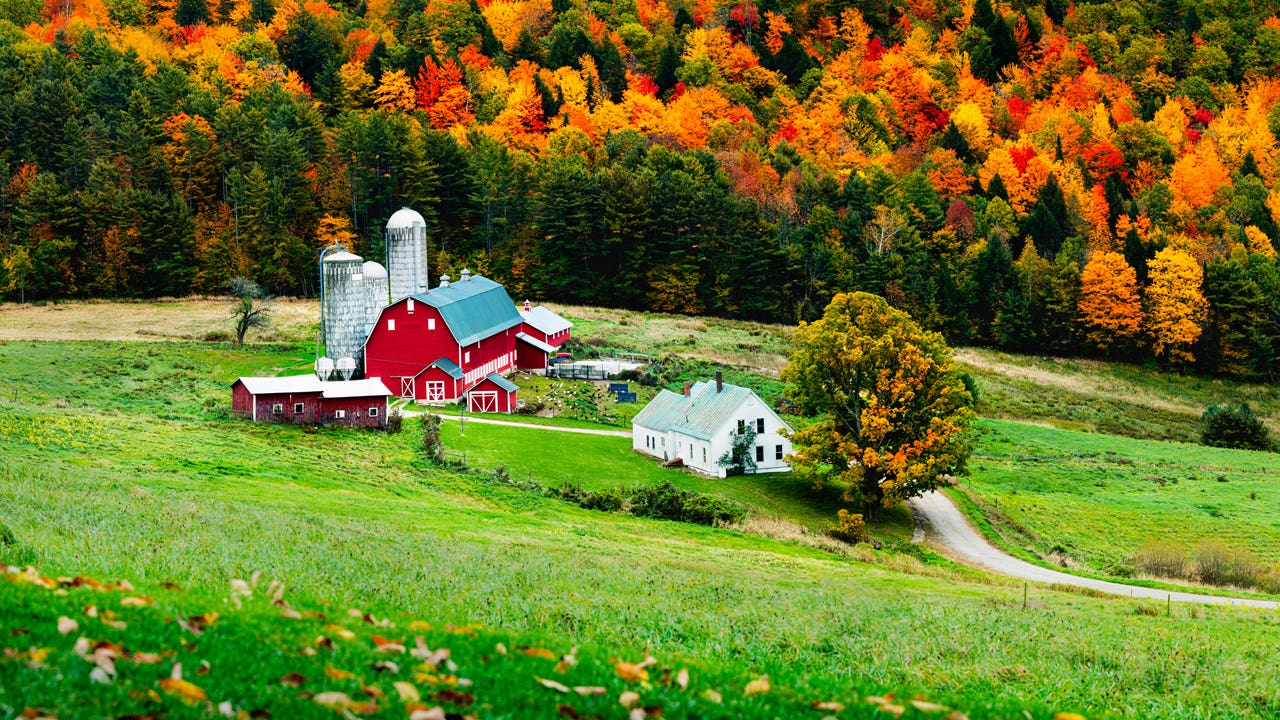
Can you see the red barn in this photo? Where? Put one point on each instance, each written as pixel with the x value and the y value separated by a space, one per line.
pixel 471 323
pixel 494 394
pixel 308 400
pixel 542 332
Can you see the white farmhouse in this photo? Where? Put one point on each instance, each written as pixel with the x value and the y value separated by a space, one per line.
pixel 697 427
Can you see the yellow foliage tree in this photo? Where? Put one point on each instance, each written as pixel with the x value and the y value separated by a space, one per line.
pixel 1175 305
pixel 1109 309
pixel 396 92
pixel 356 84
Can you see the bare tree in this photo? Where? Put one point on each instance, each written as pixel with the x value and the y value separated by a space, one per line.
pixel 881 233
pixel 250 309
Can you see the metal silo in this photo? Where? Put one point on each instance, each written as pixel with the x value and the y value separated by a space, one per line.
pixel 343 306
pixel 406 253
pixel 375 293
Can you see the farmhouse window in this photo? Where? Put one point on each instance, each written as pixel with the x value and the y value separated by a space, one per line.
pixel 759 426
pixel 777 452
pixel 431 323
pixel 277 409
pixel 409 305
pixel 759 453
pixel 297 408
pixel 340 414
pixel 391 323
pixel 742 425
pixel 373 412
pixel 466 357
pixel 704 454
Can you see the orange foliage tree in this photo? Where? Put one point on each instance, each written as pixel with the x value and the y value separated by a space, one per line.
pixel 1109 308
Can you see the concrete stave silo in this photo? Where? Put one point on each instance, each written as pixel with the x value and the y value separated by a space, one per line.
pixel 375 293
pixel 343 306
pixel 406 254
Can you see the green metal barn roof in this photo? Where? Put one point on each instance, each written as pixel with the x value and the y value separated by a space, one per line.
pixel 474 309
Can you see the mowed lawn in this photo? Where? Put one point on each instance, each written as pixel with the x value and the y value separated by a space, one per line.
pixel 1099 498
pixel 597 462
pixel 171 489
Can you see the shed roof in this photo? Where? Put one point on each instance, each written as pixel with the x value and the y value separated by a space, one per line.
pixel 498 380
pixel 473 309
pixel 448 366
pixel 371 387
pixel 526 337
pixel 545 321
pixel 698 415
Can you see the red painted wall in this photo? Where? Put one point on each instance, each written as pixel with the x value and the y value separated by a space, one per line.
pixel 357 411
pixel 555 339
pixel 241 399
pixel 310 414
pixel 497 352
pixel 452 387
pixel 405 351
pixel 529 357
pixel 506 399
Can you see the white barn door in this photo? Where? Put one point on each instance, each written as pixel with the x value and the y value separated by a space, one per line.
pixel 485 401
pixel 435 391
pixel 406 387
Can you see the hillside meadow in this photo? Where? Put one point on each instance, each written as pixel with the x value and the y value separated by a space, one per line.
pixel 356 519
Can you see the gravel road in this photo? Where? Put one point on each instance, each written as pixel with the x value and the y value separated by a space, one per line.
pixel 944 522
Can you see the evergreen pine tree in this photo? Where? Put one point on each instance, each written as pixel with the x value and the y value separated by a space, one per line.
pixel 191 12
pixel 996 189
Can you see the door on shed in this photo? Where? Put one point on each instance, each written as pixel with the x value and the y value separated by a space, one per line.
pixel 435 390
pixel 406 387
pixel 483 401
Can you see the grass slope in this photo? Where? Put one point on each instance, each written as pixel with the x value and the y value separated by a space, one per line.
pixel 133 474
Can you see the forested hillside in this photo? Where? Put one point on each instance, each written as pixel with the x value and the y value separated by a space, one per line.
pixel 1097 177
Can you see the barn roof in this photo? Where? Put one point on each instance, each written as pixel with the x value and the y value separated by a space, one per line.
pixel 473 309
pixel 698 415
pixel 498 380
pixel 526 337
pixel 448 366
pixel 309 383
pixel 545 321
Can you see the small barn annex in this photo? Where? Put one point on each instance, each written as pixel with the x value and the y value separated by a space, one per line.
pixel 698 425
pixel 541 334
pixel 308 400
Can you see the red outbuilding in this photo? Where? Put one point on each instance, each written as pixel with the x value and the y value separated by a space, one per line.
pixel 308 400
pixel 541 335
pixel 493 394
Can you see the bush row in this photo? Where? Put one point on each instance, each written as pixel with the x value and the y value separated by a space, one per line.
pixel 1210 562
pixel 663 502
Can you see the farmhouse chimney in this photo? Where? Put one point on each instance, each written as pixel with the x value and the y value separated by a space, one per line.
pixel 444 281
pixel 719 382
pixel 686 388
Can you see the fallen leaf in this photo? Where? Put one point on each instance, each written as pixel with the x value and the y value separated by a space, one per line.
pixel 682 679
pixel 630 672
pixel 887 705
pixel 434 713
pixel 929 707
pixel 500 649
pixel 386 666
pixel 241 588
pixel 340 632
pixel 100 675
pixel 552 684
pixel 183 690
pixel 373 691
pixel 171 586
pixel 146 658
pixel 543 653
pixel 1068 716
pixel 226 709
pixel 91 611
pixel 333 700
pixel 66 625
pixel 419 626
pixel 334 673
pixel 628 698
pixel 407 691
pixel 568 711
pixel 956 715
pixel 834 707
pixel 711 696
pixel 589 690
pixel 293 680
pixel 453 697
pixel 290 613
pixel 758 686
pixel 136 601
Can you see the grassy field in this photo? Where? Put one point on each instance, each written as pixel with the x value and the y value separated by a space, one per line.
pixel 357 519
pixel 1093 500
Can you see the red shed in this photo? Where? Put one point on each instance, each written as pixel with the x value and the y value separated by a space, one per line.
pixel 493 394
pixel 471 323
pixel 542 332
pixel 308 400
pixel 441 381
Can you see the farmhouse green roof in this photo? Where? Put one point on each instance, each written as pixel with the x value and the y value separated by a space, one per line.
pixel 699 415
pixel 474 309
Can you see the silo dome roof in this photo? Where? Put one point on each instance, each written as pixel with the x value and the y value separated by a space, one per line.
pixel 405 218
pixel 342 256
pixel 374 271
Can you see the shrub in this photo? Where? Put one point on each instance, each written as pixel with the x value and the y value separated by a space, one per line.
pixel 532 408
pixel 849 528
pixel 394 422
pixel 431 437
pixel 1162 559
pixel 1218 564
pixel 668 502
pixel 1234 426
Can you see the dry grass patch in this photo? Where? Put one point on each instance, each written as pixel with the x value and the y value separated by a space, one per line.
pixel 197 318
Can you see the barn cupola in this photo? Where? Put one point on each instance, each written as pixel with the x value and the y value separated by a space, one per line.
pixel 444 281
pixel 527 306
pixel 465 276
